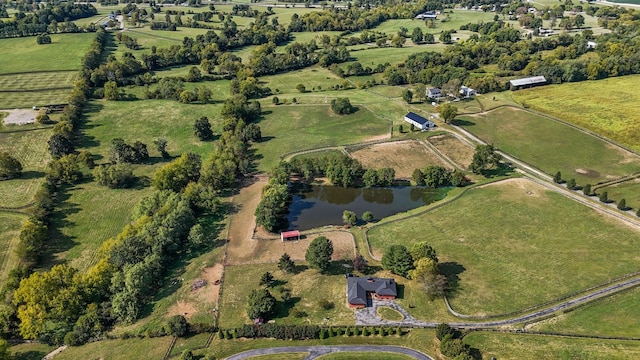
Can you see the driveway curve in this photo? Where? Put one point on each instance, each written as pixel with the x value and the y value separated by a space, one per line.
pixel 316 351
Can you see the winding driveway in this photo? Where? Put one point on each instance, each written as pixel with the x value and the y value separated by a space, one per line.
pixel 316 351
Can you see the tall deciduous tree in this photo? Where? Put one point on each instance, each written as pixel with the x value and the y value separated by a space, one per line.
pixel 421 250
pixel 177 174
pixel 176 326
pixel 60 145
pixel 447 112
pixel 349 218
pixel 10 167
pixel 319 253
pixel 484 158
pixel 407 96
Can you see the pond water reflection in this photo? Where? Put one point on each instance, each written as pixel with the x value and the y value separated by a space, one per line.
pixel 317 205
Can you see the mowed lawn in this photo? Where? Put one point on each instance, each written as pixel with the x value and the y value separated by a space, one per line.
pixel 27 99
pixel 551 146
pixel 307 286
pixel 29 146
pixel 608 107
pixel 616 315
pixel 313 78
pixel 145 348
pixel 289 128
pixel 10 225
pixel 535 347
pixel 64 53
pixel 515 244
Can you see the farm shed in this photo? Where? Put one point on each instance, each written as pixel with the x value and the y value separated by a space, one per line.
pixel 290 235
pixel 527 82
pixel 418 121
pixel 360 290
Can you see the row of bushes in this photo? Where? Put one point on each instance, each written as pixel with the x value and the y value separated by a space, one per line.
pixel 305 332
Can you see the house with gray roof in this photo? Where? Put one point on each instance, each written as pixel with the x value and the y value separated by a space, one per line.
pixel 361 290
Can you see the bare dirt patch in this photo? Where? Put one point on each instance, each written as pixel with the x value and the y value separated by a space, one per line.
pixel 454 149
pixel 20 116
pixel 208 294
pixel 403 156
pixel 240 246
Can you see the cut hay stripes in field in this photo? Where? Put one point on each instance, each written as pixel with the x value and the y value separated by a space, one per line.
pixel 37 81
pixel 28 99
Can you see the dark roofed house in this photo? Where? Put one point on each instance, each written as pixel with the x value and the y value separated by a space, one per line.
pixel 434 93
pixel 426 15
pixel 360 290
pixel 418 121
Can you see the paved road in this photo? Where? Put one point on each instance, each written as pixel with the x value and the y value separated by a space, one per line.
pixel 315 351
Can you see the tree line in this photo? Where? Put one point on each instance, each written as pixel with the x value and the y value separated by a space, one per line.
pixel 51 17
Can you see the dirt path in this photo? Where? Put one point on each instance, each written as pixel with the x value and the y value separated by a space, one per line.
pixel 241 247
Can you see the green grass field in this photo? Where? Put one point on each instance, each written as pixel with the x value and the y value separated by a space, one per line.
pixel 390 314
pixel 606 107
pixel 612 316
pixel 144 348
pixel 88 215
pixel 30 351
pixel 290 128
pixel 511 252
pixel 305 286
pixel 373 57
pixel 30 148
pixel 535 347
pixel 630 191
pixel 312 78
pixel 27 99
pixel 287 356
pixel 64 53
pixel 9 230
pixel 551 146
pixel 37 81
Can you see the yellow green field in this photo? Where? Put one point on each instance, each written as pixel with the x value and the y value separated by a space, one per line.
pixel 608 107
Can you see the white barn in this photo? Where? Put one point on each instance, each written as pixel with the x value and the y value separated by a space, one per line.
pixel 418 121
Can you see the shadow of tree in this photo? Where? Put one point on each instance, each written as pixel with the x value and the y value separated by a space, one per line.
pixel 452 271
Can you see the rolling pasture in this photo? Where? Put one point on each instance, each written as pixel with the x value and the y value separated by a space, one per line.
pixel 607 107
pixel 551 146
pixel 612 316
pixel 10 225
pixel 29 146
pixel 479 235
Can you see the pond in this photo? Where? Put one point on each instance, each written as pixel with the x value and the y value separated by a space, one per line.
pixel 316 205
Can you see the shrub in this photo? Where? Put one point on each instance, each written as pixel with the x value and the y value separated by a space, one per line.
pixel 299 313
pixel 367 216
pixel 177 326
pixel 587 189
pixel 622 205
pixel 326 304
pixel 604 197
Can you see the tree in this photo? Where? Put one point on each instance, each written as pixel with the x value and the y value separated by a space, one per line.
pixel 349 218
pixel 111 91
pixel 187 355
pixel 407 96
pixel 65 169
pixel 10 167
pixel 435 176
pixel 484 158
pixel 557 178
pixel 418 177
pixel 301 88
pixel 429 38
pixel 420 91
pixel 367 216
pixel 398 41
pixel 266 279
pixel 286 264
pixel 447 112
pixel 571 184
pixel 319 253
pixel 43 39
pixel 421 250
pixel 202 129
pixel 194 74
pixel 5 354
pixel 176 326
pixel 260 304
pixel 416 35
pixel 604 197
pixel 578 21
pixel 360 263
pixel 161 147
pixel 586 189
pixel 275 100
pixel 443 330
pixel 197 237
pixel 60 145
pixel 177 174
pixel 445 37
pixel 426 268
pixel 398 260
pixel 113 175
pixel 622 205
pixel 458 178
pixel 342 106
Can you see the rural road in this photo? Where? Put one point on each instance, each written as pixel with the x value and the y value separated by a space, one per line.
pixel 316 351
